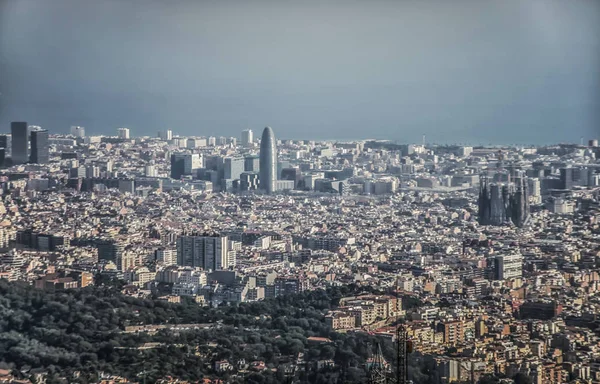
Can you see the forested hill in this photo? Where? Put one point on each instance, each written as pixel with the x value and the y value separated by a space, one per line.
pixel 77 334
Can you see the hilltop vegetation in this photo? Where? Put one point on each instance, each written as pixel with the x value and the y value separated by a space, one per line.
pixel 81 331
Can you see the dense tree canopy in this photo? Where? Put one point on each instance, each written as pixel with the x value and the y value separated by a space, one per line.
pixel 82 331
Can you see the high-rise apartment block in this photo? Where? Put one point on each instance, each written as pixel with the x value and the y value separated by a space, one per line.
pixel 166 135
pixel 207 251
pixel 508 266
pixel 150 171
pixel 534 186
pixel 247 138
pixel 166 256
pixel 123 133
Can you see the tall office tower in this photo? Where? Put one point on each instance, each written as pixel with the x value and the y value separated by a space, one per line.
pixel 268 161
pixel 508 266
pixel 2 156
pixel 247 138
pixel 20 142
pixel 39 147
pixel 230 170
pixel 566 178
pixel 123 133
pixel 177 165
pixel 593 143
pixel 251 163
pixel 184 164
pixel 4 144
pixel 77 131
pixel 207 251
pixel 586 176
pixel 233 167
pixel 212 141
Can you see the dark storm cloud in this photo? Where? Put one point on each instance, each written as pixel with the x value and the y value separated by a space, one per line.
pixel 470 71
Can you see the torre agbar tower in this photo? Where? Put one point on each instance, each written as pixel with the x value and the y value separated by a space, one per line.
pixel 268 161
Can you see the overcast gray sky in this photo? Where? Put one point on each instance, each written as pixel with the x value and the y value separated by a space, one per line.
pixel 478 71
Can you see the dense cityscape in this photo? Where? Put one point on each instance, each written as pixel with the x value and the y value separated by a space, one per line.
pixel 172 259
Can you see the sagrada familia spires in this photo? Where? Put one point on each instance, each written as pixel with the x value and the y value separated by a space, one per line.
pixel 503 203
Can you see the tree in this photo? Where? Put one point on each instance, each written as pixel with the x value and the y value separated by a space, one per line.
pixel 521 378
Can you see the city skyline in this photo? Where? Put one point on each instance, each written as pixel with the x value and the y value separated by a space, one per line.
pixel 300 192
pixel 169 134
pixel 182 235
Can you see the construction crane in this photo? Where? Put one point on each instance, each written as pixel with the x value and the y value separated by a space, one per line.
pixel 378 370
pixel 377 367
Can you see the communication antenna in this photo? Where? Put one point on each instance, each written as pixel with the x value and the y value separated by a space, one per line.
pixel 377 368
pixel 403 346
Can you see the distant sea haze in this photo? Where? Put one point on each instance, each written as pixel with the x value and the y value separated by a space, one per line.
pixel 473 72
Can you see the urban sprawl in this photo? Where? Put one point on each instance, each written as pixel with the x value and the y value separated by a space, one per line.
pixel 499 245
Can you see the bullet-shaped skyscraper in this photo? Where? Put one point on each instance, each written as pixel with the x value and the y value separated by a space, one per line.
pixel 268 161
